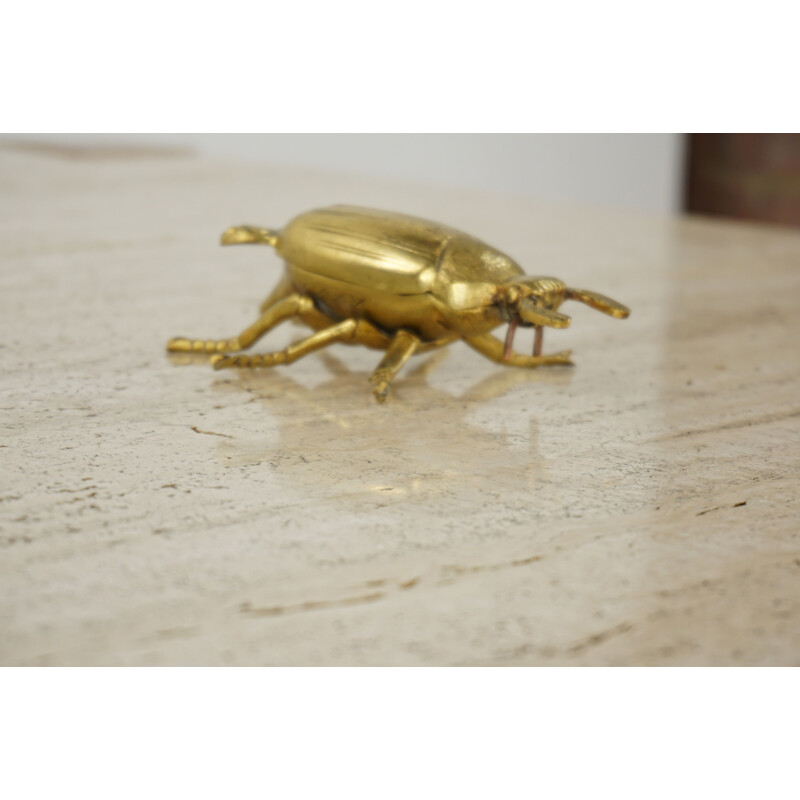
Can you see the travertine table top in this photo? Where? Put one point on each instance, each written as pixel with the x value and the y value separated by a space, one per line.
pixel 641 508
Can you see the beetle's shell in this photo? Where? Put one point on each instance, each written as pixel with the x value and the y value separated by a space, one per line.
pixel 396 270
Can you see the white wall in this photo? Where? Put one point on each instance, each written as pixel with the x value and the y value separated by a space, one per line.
pixel 614 170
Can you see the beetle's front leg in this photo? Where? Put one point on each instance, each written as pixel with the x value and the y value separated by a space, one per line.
pixel 494 349
pixel 400 349
pixel 291 306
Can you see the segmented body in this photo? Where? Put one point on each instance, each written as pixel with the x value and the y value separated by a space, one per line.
pixel 394 270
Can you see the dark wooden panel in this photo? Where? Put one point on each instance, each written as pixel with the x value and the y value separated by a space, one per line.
pixel 745 175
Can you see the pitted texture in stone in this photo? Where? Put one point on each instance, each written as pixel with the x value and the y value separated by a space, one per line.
pixel 158 514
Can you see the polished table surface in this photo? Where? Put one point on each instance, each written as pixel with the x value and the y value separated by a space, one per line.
pixel 639 508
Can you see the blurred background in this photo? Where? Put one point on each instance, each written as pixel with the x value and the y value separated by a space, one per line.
pixel 741 176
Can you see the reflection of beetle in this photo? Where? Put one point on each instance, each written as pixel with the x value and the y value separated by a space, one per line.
pixel 399 284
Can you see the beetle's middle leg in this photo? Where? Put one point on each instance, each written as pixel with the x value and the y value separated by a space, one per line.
pixel 292 306
pixel 494 349
pixel 400 349
pixel 348 331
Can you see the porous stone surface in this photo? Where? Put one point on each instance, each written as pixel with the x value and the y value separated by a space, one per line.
pixel 640 508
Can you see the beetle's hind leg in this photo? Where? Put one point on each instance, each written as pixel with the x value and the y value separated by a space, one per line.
pixel 292 306
pixel 400 349
pixel 282 290
pixel 350 331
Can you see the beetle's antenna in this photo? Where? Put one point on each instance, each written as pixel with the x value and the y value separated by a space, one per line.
pixel 599 302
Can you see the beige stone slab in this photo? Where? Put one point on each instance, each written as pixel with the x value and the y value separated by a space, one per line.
pixel 639 508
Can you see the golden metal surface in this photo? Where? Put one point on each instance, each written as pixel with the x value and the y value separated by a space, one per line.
pixel 395 283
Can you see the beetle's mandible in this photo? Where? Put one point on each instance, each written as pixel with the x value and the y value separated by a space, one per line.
pixel 395 283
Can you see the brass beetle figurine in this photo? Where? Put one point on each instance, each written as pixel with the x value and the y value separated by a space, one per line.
pixel 395 283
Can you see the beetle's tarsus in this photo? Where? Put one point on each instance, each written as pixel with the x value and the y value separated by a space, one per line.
pixel 183 345
pixel 179 344
pixel 249 234
pixel 563 358
pixel 220 362
pixel 381 383
pixel 381 392
pixel 248 362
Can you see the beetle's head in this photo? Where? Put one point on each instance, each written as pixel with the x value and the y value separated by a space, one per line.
pixel 534 301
